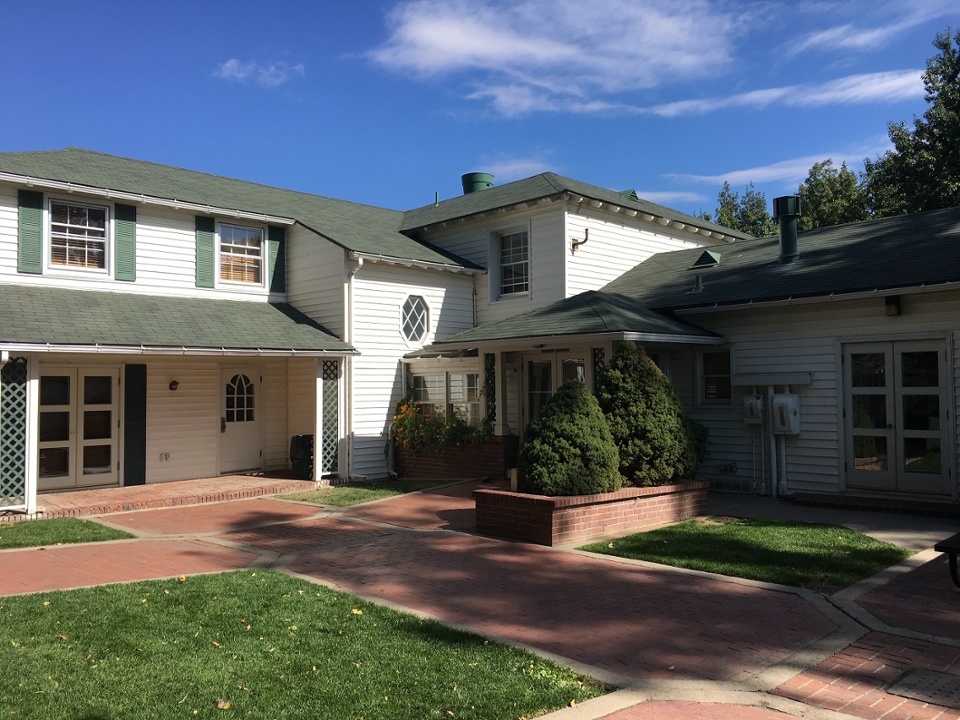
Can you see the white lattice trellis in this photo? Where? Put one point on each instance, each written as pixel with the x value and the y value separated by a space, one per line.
pixel 331 412
pixel 13 433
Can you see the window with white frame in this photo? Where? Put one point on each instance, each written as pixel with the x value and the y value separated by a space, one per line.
pixel 514 263
pixel 78 235
pixel 241 254
pixel 415 319
pixel 715 377
pixel 449 394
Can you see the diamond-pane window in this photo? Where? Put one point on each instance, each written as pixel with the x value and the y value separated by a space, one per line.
pixel 415 319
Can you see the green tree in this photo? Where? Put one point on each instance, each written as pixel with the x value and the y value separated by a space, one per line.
pixel 830 197
pixel 656 442
pixel 922 171
pixel 747 214
pixel 567 449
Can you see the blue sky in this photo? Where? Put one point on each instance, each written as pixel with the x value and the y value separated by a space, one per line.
pixel 386 102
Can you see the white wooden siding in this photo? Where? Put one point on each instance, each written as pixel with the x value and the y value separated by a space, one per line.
pixel 379 291
pixel 166 255
pixel 471 241
pixel 315 277
pixel 302 391
pixel 615 245
pixel 806 338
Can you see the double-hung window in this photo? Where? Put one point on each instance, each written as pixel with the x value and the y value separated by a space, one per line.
pixel 715 378
pixel 429 392
pixel 78 235
pixel 450 394
pixel 241 254
pixel 514 263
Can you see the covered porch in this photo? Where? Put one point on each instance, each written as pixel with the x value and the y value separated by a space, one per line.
pixel 112 390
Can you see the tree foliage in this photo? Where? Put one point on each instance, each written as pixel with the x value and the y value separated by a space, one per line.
pixel 747 214
pixel 656 442
pixel 830 197
pixel 922 171
pixel 567 449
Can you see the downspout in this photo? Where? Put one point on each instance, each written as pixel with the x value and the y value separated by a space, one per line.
pixel 783 459
pixel 773 444
pixel 348 376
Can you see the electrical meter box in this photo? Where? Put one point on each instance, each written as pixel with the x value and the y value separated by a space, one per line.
pixel 753 409
pixel 786 414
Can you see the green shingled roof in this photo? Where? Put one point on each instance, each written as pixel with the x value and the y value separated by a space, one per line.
pixel 359 228
pixel 589 313
pixel 916 250
pixel 36 314
pixel 534 188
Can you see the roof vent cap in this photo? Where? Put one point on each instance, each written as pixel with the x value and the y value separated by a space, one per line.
pixel 708 258
pixel 476 181
pixel 786 210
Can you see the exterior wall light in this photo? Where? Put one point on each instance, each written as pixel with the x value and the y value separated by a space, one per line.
pixel 174 385
pixel 892 303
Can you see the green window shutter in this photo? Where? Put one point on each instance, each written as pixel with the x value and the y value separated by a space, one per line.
pixel 30 232
pixel 278 259
pixel 125 242
pixel 135 425
pixel 206 231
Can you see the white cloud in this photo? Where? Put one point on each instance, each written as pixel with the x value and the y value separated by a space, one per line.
pixel 269 76
pixel 850 90
pixel 671 196
pixel 507 169
pixel 792 171
pixel 556 49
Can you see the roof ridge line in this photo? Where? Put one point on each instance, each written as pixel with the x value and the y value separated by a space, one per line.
pixel 595 311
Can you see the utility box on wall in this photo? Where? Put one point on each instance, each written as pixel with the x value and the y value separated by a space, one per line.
pixel 753 409
pixel 786 414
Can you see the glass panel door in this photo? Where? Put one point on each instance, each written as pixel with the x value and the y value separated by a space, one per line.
pixel 539 386
pixel 870 416
pixel 921 418
pixel 57 431
pixel 99 427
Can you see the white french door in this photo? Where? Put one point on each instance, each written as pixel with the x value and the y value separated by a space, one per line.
pixel 896 416
pixel 241 407
pixel 543 373
pixel 79 427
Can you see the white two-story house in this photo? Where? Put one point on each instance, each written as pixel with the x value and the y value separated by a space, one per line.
pixel 164 324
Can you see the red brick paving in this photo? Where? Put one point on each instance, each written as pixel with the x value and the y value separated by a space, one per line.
pixel 853 681
pixel 306 534
pixel 624 618
pixel 98 501
pixel 70 566
pixel 215 517
pixel 898 602
pixel 449 508
pixel 674 709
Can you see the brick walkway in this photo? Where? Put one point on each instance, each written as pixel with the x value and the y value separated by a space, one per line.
pixel 215 517
pixel 99 501
pixel 854 680
pixel 898 602
pixel 449 508
pixel 624 618
pixel 682 710
pixel 72 566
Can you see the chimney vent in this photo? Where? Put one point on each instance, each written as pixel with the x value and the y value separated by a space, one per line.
pixel 786 210
pixel 476 181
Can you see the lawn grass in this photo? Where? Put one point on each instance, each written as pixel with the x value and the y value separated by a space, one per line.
pixel 824 558
pixel 268 644
pixel 58 531
pixel 357 494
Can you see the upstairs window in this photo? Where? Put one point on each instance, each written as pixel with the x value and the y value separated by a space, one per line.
pixel 514 263
pixel 415 319
pixel 78 235
pixel 241 254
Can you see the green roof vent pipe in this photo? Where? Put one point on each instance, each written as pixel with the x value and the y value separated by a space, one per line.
pixel 786 210
pixel 476 181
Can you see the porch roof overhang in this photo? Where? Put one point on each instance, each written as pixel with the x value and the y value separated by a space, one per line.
pixel 588 316
pixel 48 320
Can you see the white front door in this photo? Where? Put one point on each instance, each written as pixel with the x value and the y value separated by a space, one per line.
pixel 79 427
pixel 241 406
pixel 896 416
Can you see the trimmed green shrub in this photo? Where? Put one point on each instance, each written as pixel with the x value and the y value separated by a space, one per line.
pixel 658 445
pixel 567 449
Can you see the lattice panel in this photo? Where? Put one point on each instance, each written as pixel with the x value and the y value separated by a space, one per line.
pixel 331 416
pixel 599 362
pixel 13 433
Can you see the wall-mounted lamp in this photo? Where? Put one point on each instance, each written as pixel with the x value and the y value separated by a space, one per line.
pixel 174 385
pixel 892 303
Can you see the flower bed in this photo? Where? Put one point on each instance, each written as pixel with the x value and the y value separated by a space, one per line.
pixel 490 458
pixel 564 520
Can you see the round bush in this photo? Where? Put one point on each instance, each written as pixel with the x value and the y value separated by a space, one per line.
pixel 567 449
pixel 657 443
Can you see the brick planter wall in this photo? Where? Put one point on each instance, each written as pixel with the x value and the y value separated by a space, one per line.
pixel 565 520
pixel 491 458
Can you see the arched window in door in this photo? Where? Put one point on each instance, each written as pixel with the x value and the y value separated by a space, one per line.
pixel 240 399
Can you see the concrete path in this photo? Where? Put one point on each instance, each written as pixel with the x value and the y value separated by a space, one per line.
pixel 679 643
